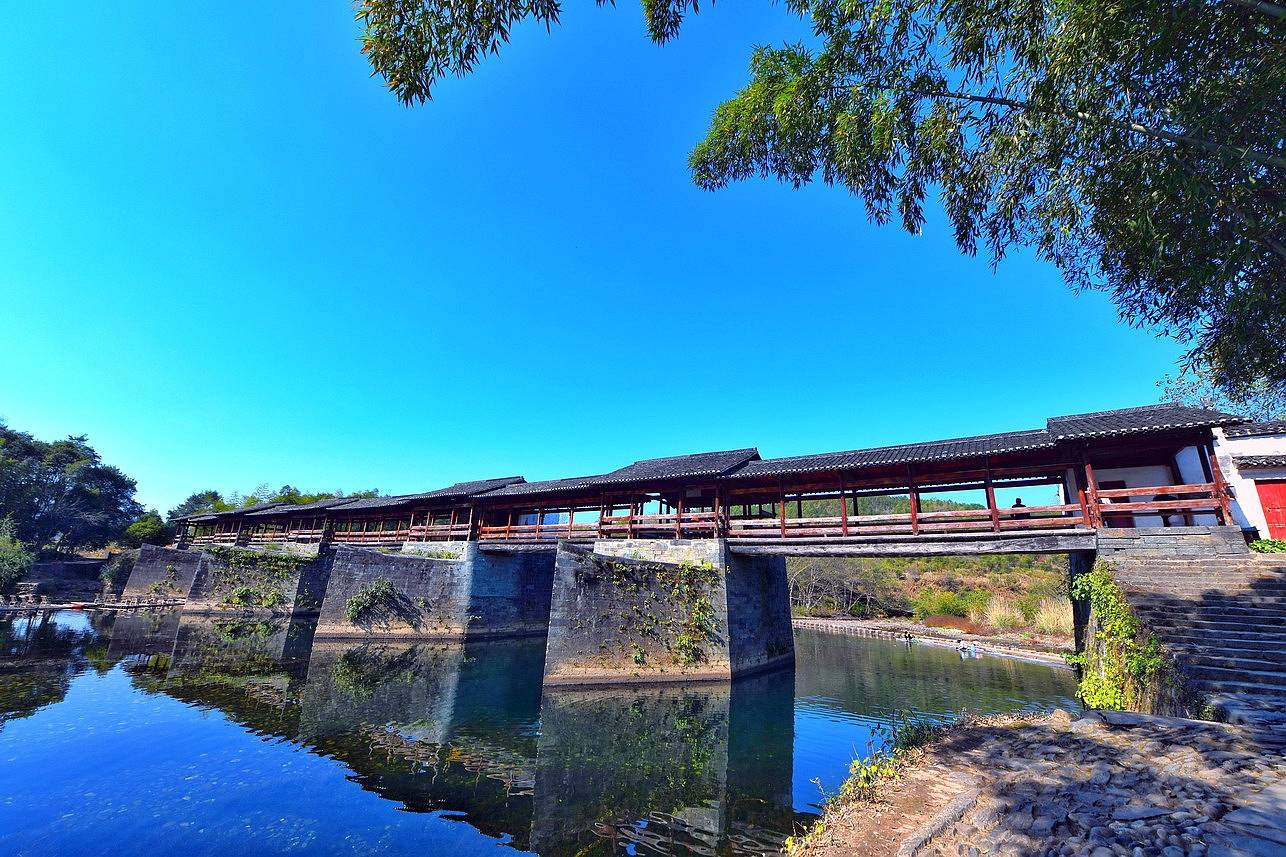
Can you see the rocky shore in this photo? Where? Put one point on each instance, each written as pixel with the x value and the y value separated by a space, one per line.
pixel 1097 785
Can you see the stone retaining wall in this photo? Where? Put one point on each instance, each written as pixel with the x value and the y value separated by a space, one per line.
pixel 620 615
pixel 162 572
pixel 481 594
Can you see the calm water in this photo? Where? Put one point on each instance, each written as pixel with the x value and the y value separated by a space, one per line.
pixel 151 734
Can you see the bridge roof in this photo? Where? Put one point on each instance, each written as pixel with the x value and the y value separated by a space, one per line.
pixel 547 486
pixel 1123 421
pixel 230 513
pixel 292 508
pixel 907 453
pixel 678 467
pixel 459 489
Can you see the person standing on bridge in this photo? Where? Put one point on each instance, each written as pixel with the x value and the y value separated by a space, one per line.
pixel 1018 504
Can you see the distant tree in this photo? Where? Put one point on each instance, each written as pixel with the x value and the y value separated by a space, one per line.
pixel 201 501
pixel 60 495
pixel 15 559
pixel 1137 146
pixel 1195 387
pixel 149 529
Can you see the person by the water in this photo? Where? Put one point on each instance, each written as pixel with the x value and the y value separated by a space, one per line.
pixel 1018 504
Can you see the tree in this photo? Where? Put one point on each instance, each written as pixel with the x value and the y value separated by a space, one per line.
pixel 15 560
pixel 1138 146
pixel 201 501
pixel 1195 387
pixel 149 529
pixel 60 495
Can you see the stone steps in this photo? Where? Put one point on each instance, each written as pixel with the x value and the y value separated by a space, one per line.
pixel 1228 671
pixel 1269 656
pixel 1224 621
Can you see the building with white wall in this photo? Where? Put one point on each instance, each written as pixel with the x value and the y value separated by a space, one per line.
pixel 1253 459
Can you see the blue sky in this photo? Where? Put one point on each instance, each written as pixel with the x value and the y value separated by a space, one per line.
pixel 229 256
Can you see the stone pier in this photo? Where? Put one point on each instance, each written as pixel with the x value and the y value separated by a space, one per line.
pixel 647 610
pixel 440 590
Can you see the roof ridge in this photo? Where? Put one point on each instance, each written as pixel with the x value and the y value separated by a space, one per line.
pixel 1137 409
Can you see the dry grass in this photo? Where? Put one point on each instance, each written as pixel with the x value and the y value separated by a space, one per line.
pixel 1003 615
pixel 1054 616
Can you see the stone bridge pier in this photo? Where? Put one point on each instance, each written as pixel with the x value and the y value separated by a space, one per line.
pixel 649 610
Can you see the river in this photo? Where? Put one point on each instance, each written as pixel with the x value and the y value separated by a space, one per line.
pixel 155 733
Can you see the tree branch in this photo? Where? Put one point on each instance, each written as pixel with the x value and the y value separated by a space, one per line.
pixel 1155 133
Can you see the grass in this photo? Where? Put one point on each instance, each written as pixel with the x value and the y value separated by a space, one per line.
pixel 1054 616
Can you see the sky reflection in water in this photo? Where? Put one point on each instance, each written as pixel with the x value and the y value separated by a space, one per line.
pixel 151 733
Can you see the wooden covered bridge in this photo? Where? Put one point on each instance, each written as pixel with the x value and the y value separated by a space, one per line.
pixel 1147 466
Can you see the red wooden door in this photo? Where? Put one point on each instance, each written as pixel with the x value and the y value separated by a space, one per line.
pixel 1272 496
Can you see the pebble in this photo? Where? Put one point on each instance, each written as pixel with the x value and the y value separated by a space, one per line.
pixel 1135 788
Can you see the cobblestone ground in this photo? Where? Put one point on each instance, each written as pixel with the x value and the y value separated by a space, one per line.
pixel 1112 784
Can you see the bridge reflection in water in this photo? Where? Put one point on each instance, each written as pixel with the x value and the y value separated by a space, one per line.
pixel 465 728
pixel 466 732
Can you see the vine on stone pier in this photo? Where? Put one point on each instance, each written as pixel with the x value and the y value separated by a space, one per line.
pixel 250 578
pixel 1123 666
pixel 689 585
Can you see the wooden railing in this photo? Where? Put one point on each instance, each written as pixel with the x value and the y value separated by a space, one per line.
pixel 438 532
pixel 1096 507
pixel 539 532
pixel 904 523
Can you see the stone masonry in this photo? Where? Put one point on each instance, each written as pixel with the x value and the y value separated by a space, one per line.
pixel 628 611
pixel 474 593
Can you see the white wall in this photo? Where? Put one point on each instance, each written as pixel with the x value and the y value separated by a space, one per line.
pixel 1246 508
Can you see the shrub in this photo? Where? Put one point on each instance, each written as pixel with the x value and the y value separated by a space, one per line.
pixel 1003 615
pixel 1268 545
pixel 377 594
pixel 932 602
pixel 15 560
pixel 1054 616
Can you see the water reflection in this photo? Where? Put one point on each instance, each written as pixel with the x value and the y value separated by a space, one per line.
pixel 700 769
pixel 459 735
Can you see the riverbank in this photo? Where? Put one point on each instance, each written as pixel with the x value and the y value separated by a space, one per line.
pixel 1103 784
pixel 1045 650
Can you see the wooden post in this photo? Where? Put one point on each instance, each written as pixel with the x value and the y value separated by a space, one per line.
pixel 678 518
pixel 1086 517
pixel 1096 509
pixel 781 508
pixel 914 498
pixel 509 525
pixel 991 501
pixel 843 508
pixel 720 531
pixel 1221 487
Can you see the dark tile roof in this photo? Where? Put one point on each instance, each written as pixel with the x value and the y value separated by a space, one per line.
pixel 230 513
pixel 1256 429
pixel 548 486
pixel 478 486
pixel 908 453
pixel 293 508
pixel 1253 461
pixel 1169 415
pixel 459 489
pixel 678 467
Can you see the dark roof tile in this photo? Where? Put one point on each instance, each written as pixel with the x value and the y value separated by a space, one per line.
pixel 678 467
pixel 548 486
pixel 908 453
pixel 459 489
pixel 293 508
pixel 1254 461
pixel 1169 415
pixel 1256 429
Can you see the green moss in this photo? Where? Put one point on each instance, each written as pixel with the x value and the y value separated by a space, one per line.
pixel 1268 545
pixel 249 578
